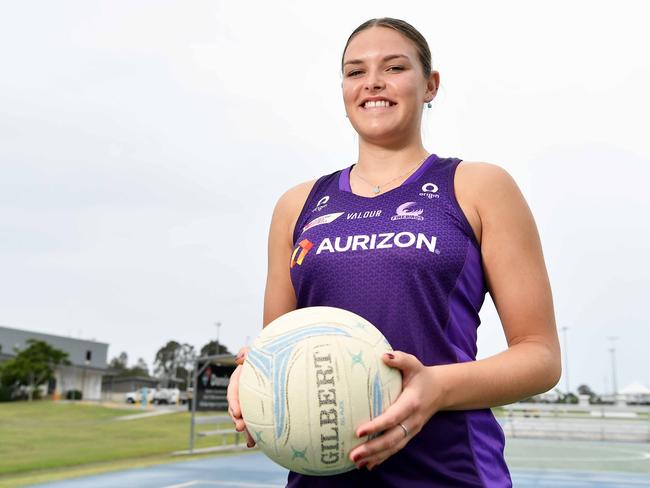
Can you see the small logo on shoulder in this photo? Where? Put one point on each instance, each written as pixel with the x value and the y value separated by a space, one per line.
pixel 322 203
pixel 403 212
pixel 429 190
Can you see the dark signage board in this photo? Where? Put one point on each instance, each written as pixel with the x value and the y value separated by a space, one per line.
pixel 212 385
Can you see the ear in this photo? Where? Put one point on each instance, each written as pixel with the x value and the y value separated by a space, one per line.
pixel 433 82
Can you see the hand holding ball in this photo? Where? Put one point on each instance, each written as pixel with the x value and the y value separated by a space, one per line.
pixel 309 380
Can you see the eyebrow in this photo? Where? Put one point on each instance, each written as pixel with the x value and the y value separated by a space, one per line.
pixel 386 58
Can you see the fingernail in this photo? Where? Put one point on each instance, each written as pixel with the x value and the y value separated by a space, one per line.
pixel 356 457
pixel 390 355
pixel 362 464
pixel 361 433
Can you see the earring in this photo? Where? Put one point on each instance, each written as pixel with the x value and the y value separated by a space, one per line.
pixel 429 104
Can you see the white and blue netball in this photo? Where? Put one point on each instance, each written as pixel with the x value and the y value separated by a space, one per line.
pixel 310 379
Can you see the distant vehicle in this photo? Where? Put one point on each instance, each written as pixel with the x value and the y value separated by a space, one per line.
pixel 136 396
pixel 169 396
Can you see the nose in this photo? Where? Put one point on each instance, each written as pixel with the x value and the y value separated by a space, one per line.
pixel 374 81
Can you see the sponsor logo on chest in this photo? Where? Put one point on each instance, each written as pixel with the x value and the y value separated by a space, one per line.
pixel 430 191
pixel 371 242
pixel 323 219
pixel 368 214
pixel 365 242
pixel 404 212
pixel 322 203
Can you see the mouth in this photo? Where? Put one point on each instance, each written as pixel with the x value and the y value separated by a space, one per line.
pixel 380 104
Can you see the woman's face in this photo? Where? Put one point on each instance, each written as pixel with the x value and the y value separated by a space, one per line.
pixel 384 88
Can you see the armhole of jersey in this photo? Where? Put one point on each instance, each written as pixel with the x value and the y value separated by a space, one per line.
pixel 301 217
pixel 459 211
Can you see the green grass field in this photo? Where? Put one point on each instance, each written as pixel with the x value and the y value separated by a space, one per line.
pixel 45 441
pixel 44 436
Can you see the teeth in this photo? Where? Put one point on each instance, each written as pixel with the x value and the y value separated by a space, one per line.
pixel 377 103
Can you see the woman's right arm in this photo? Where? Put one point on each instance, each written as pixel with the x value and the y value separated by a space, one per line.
pixel 279 296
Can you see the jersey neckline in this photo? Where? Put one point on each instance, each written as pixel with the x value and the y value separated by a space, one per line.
pixel 344 178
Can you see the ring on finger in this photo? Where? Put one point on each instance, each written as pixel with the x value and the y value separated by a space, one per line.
pixel 406 431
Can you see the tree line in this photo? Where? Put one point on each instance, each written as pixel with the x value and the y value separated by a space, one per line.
pixel 174 362
pixel 34 365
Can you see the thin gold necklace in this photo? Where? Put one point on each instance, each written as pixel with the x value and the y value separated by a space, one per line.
pixel 377 188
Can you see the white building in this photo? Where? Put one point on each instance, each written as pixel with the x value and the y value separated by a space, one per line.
pixel 87 361
pixel 636 393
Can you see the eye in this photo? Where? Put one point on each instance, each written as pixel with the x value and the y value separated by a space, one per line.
pixel 396 68
pixel 353 73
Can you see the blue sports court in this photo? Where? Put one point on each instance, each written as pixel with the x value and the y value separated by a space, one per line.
pixel 533 463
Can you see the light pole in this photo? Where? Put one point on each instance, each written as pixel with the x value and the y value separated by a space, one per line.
pixel 218 324
pixel 566 360
pixel 83 378
pixel 612 350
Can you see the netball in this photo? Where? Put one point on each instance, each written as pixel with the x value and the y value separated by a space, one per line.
pixel 310 379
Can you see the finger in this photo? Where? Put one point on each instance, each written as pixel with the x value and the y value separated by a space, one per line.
pixel 232 394
pixel 234 414
pixel 403 407
pixel 389 441
pixel 235 409
pixel 403 361
pixel 250 442
pixel 381 448
pixel 240 425
pixel 241 355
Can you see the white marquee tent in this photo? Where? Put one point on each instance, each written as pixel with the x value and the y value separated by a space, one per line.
pixel 636 393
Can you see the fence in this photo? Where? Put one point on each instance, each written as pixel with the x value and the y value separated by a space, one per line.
pixel 576 422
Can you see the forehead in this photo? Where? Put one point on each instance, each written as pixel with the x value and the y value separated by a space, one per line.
pixel 377 42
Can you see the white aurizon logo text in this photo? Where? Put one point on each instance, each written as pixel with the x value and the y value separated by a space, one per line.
pixel 385 240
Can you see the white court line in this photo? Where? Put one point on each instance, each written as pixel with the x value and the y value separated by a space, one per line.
pixel 597 478
pixel 634 456
pixel 237 484
pixel 183 485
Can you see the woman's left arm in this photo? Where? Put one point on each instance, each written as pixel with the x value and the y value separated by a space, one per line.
pixel 518 283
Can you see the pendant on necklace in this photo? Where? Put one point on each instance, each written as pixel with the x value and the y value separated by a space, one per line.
pixel 375 189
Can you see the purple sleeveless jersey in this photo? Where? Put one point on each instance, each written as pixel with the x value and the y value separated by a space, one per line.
pixel 406 260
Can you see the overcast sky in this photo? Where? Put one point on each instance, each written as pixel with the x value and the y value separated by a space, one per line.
pixel 144 144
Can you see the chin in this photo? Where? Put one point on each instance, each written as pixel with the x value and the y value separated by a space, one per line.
pixel 378 133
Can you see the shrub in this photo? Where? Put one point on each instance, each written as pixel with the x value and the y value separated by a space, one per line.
pixel 73 395
pixel 6 393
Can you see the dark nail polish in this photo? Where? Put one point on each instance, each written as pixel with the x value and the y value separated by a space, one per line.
pixel 391 356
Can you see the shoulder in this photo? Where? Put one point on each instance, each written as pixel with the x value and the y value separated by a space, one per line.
pixel 481 175
pixel 484 192
pixel 288 206
pixel 484 184
pixel 292 200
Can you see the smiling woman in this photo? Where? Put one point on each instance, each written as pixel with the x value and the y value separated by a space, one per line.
pixel 412 242
pixel 387 77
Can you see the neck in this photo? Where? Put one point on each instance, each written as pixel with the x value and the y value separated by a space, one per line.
pixel 381 162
